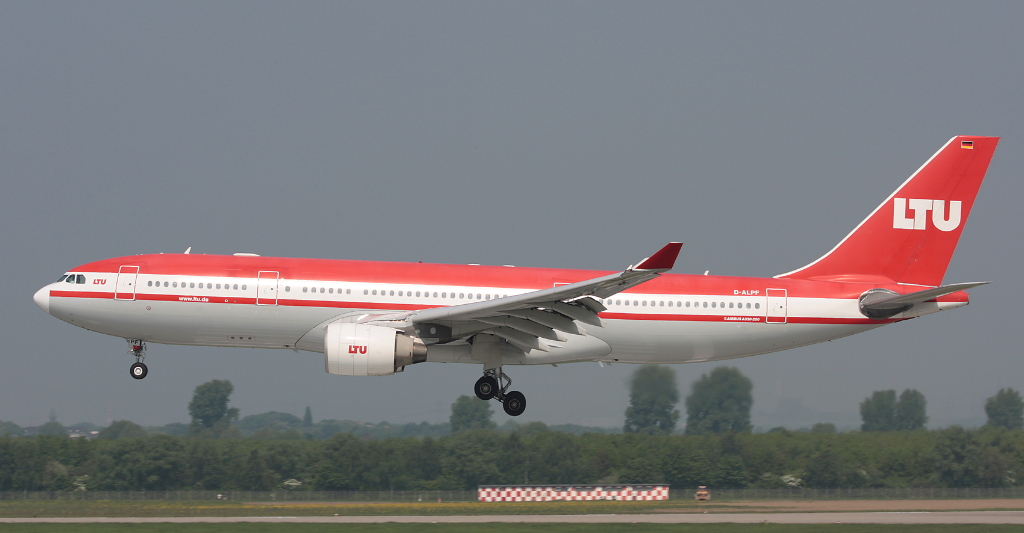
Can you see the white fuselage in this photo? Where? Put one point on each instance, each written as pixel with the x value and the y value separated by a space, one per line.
pixel 725 318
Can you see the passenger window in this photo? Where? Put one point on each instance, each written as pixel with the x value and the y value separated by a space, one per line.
pixel 757 306
pixel 462 295
pixel 487 296
pixel 645 303
pixel 175 285
pixel 392 293
pixel 375 292
pixel 322 290
pixel 235 287
pixel 722 305
pixel 218 285
pixel 304 289
pixel 705 305
pixel 444 295
pixel 435 295
pixel 670 304
pixel 348 291
pixel 748 305
pixel 618 302
pixel 287 288
pixel 635 303
pixel 365 292
pixel 730 305
pixel 712 305
pixel 687 303
pixel 191 285
pixel 662 304
pixel 330 291
pixel 627 302
pixel 400 293
pixel 150 283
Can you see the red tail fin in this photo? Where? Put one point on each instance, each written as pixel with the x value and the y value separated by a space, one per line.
pixel 911 237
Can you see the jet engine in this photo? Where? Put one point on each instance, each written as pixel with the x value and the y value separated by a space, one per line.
pixel 366 350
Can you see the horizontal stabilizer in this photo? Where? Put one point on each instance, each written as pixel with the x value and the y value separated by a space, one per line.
pixel 883 303
pixel 903 300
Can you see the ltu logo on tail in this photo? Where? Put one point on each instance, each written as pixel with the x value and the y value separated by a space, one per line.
pixel 920 218
pixel 352 348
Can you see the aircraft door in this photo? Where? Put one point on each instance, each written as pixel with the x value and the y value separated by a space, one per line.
pixel 266 287
pixel 125 287
pixel 777 308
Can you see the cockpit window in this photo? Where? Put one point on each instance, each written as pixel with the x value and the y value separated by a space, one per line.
pixel 71 278
pixel 81 279
pixel 62 278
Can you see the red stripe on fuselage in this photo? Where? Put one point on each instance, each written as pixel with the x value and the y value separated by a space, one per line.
pixel 741 319
pixel 81 294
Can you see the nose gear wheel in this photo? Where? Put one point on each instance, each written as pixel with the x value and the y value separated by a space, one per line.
pixel 139 369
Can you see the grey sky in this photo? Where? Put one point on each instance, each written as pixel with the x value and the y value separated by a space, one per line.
pixel 578 135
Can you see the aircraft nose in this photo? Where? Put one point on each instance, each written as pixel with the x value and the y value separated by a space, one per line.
pixel 42 298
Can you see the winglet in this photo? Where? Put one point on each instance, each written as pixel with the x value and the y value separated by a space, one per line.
pixel 662 259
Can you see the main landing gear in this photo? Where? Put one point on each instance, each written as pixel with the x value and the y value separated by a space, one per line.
pixel 139 369
pixel 495 384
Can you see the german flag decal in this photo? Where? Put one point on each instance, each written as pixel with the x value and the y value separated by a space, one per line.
pixel 967 145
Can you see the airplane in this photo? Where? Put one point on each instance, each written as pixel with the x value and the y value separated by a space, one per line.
pixel 373 318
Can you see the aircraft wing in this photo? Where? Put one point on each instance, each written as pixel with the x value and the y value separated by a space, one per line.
pixel 524 319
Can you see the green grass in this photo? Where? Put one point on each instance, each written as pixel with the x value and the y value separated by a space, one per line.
pixel 502 528
pixel 151 508
pixel 167 508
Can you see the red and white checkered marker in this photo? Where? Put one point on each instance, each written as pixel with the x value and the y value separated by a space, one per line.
pixel 551 493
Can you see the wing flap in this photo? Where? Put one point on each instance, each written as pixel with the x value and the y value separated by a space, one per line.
pixel 520 339
pixel 551 320
pixel 526 326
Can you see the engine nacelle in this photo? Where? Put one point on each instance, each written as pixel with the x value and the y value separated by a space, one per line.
pixel 365 350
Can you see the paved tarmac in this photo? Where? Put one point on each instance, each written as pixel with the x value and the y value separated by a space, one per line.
pixel 951 517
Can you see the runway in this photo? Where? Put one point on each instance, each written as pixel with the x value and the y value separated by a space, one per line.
pixel 951 517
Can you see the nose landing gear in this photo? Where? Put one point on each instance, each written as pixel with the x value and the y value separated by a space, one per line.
pixel 495 384
pixel 138 370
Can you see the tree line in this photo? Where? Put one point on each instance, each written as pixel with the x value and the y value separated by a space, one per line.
pixel 279 451
pixel 720 402
pixel 953 457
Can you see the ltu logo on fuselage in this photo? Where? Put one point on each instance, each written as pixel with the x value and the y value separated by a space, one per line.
pixel 352 348
pixel 920 218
